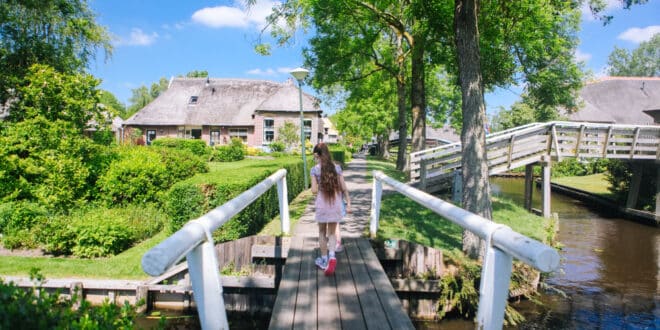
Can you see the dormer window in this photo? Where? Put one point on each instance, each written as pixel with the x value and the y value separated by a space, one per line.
pixel 193 99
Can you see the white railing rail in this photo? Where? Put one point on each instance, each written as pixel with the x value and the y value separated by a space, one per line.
pixel 195 242
pixel 502 244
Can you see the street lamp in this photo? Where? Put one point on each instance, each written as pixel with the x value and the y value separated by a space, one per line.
pixel 300 74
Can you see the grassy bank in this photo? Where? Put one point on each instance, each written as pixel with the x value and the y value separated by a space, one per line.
pixel 596 184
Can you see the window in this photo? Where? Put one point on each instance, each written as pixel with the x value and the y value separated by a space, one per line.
pixel 269 130
pixel 193 99
pixel 189 132
pixel 215 137
pixel 240 133
pixel 308 129
pixel 151 135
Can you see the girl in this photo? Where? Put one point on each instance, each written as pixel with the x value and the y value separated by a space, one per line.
pixel 328 185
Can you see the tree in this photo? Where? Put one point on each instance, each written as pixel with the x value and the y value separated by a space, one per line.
pixel 111 104
pixel 197 74
pixel 62 34
pixel 643 61
pixel 289 134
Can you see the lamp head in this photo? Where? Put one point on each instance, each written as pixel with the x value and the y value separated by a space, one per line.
pixel 299 73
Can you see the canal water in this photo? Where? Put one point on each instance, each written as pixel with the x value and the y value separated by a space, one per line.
pixel 609 269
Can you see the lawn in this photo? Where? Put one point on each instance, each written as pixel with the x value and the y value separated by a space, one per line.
pixel 596 184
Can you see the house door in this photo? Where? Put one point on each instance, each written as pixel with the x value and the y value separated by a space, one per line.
pixel 151 135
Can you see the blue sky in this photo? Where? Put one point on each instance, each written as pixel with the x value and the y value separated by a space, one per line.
pixel 165 38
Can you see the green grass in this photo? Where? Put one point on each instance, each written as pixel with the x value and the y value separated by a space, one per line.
pixel 595 184
pixel 126 265
pixel 387 167
pixel 402 218
pixel 242 171
pixel 296 209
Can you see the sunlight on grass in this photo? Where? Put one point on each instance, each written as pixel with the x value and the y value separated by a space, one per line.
pixel 296 209
pixel 595 184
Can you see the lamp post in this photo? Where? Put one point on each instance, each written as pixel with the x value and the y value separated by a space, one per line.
pixel 300 74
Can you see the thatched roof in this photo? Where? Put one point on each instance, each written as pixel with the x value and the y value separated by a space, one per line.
pixel 620 100
pixel 230 102
pixel 444 135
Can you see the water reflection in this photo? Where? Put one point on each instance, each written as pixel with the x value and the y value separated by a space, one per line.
pixel 609 268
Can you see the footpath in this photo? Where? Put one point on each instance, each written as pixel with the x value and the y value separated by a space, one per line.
pixel 359 187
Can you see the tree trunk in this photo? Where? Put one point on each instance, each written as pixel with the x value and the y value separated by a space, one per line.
pixel 401 159
pixel 417 96
pixel 476 188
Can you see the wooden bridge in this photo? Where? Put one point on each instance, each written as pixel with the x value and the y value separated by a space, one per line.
pixel 358 296
pixel 531 143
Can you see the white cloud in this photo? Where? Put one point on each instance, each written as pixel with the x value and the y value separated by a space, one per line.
pixel 581 57
pixel 137 37
pixel 637 35
pixel 260 72
pixel 235 17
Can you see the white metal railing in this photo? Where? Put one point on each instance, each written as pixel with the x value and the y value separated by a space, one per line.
pixel 195 242
pixel 502 244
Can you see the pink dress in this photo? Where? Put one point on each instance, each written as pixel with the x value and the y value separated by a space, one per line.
pixel 326 211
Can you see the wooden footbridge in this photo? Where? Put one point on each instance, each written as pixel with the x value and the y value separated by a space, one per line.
pixel 541 144
pixel 358 296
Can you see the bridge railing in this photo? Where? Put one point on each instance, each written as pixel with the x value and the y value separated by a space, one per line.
pixel 502 245
pixel 195 242
pixel 527 144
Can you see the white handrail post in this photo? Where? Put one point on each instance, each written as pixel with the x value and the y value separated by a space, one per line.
pixel 284 204
pixel 494 288
pixel 207 289
pixel 376 194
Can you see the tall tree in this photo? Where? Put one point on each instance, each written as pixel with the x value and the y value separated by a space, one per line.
pixel 643 61
pixel 62 34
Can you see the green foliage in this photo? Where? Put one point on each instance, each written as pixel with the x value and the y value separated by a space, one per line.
pixel 194 197
pixel 101 232
pixel 41 309
pixel 61 34
pixel 458 292
pixel 620 174
pixel 575 167
pixel 277 146
pixel 17 221
pixel 229 153
pixel 197 147
pixel 142 174
pixel 289 134
pixel 643 61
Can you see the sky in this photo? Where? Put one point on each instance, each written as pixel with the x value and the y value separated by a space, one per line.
pixel 167 38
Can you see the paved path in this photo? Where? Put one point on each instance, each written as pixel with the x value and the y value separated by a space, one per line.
pixel 359 187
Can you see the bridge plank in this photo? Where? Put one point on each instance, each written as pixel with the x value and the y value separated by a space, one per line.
pixel 349 303
pixel 285 303
pixel 390 302
pixel 306 304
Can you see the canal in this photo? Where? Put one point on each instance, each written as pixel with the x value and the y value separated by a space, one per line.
pixel 609 269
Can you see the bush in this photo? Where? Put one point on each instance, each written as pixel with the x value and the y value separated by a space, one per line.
pixel 191 199
pixel 17 220
pixel 101 232
pixel 142 174
pixel 229 153
pixel 277 146
pixel 620 174
pixel 41 309
pixel 575 167
pixel 197 147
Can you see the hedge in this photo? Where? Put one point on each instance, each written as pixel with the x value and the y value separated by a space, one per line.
pixel 197 147
pixel 197 196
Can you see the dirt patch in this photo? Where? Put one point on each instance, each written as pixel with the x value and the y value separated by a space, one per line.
pixel 21 252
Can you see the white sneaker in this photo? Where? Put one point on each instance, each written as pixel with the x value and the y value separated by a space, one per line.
pixel 339 247
pixel 321 264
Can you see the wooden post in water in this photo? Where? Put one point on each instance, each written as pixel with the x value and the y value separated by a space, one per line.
pixel 546 165
pixel 529 186
pixel 635 182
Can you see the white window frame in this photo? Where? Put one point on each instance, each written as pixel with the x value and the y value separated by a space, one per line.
pixel 241 133
pixel 307 123
pixel 269 129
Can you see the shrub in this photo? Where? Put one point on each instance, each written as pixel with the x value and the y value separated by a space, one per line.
pixel 101 232
pixel 277 146
pixel 17 220
pixel 191 199
pixel 229 153
pixel 142 174
pixel 197 147
pixel 41 309
pixel 620 174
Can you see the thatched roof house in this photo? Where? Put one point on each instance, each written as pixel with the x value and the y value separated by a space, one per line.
pixel 620 100
pixel 217 110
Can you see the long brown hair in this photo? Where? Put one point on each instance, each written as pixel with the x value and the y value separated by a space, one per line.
pixel 329 182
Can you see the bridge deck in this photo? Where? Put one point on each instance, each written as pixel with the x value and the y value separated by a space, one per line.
pixel 358 296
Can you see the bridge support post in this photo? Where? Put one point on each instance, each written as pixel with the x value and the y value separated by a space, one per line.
pixel 657 194
pixel 529 186
pixel 635 182
pixel 457 188
pixel 546 166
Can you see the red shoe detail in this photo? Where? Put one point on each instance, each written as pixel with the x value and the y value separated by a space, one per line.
pixel 332 263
